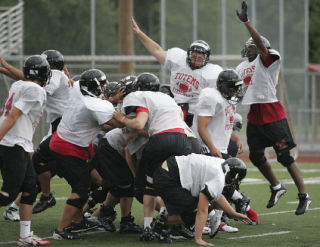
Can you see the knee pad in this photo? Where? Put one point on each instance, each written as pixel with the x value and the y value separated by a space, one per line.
pixel 78 202
pixel 257 158
pixel 285 158
pixel 5 200
pixel 122 192
pixel 150 192
pixel 99 195
pixel 29 199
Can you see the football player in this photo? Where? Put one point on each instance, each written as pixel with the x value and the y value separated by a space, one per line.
pixel 189 183
pixel 267 124
pixel 20 116
pixel 190 70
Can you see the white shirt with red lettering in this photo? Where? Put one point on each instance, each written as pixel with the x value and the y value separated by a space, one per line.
pixel 185 83
pixel 164 113
pixel 83 117
pixel 57 95
pixel 30 99
pixel 260 82
pixel 212 104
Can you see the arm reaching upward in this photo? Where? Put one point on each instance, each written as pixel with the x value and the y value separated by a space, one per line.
pixel 154 48
pixel 243 16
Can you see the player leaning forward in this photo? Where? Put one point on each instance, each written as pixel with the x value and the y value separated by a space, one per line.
pixel 267 123
pixel 20 116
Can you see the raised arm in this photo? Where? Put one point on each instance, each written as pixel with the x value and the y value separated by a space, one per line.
pixel 154 48
pixel 243 16
pixel 11 71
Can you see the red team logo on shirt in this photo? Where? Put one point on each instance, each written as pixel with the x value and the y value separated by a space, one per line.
pixel 246 74
pixel 229 111
pixel 185 84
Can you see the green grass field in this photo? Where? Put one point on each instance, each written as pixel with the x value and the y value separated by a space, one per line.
pixel 278 226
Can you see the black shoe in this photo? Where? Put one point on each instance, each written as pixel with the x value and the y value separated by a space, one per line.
pixel 242 204
pixel 147 235
pixel 180 232
pixel 84 226
pixel 164 237
pixel 44 203
pixel 304 202
pixel 127 225
pixel 106 217
pixel 65 234
pixel 275 195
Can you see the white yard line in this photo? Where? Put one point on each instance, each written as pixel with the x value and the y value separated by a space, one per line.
pixel 262 235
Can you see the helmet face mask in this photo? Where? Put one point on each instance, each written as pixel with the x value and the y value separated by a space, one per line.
pixel 148 82
pixel 197 48
pixel 250 49
pixel 229 85
pixel 112 89
pixel 92 82
pixel 55 59
pixel 37 68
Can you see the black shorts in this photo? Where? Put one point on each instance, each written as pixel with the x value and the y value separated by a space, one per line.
pixel 178 200
pixel 114 167
pixel 43 158
pixel 75 171
pixel 158 149
pixel 17 170
pixel 262 136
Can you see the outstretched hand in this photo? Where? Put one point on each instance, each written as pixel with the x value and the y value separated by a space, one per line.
pixel 135 27
pixel 243 15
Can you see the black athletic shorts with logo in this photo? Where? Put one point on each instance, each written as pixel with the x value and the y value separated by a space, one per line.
pixel 17 171
pixel 262 136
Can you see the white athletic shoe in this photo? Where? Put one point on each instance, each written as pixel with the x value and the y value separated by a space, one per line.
pixel 33 240
pixel 206 230
pixel 225 228
pixel 11 214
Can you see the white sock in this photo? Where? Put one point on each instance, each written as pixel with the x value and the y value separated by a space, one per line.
pixel 14 205
pixel 236 195
pixel 163 210
pixel 277 187
pixel 147 221
pixel 25 229
pixel 248 208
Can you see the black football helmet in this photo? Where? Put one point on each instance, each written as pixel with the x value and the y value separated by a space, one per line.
pixel 92 81
pixel 76 77
pixel 36 67
pixel 201 47
pixel 112 89
pixel 130 83
pixel 235 171
pixel 165 88
pixel 148 82
pixel 250 42
pixel 229 85
pixel 55 59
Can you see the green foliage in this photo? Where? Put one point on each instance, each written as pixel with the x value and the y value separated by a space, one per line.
pixel 314 31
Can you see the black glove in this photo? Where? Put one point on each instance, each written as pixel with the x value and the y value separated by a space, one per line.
pixel 243 16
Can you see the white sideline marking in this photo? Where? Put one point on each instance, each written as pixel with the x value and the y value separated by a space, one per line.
pixel 254 181
pixel 285 170
pixel 284 212
pixel 261 235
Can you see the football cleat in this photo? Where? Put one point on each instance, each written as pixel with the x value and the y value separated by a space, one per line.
pixel 147 235
pixel 127 225
pixel 304 202
pixel 275 195
pixel 11 214
pixel 214 222
pixel 65 234
pixel 225 228
pixel 33 240
pixel 44 203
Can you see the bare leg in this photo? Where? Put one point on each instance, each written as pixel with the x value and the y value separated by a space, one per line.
pixel 148 205
pixel 295 173
pixel 44 179
pixel 125 205
pixel 69 213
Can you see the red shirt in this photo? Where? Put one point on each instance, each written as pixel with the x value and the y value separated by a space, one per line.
pixel 264 113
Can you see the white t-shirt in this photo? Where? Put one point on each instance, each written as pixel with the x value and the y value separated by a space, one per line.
pixel 83 117
pixel 116 139
pixel 185 83
pixel 197 171
pixel 212 104
pixel 260 82
pixel 164 113
pixel 30 98
pixel 57 95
